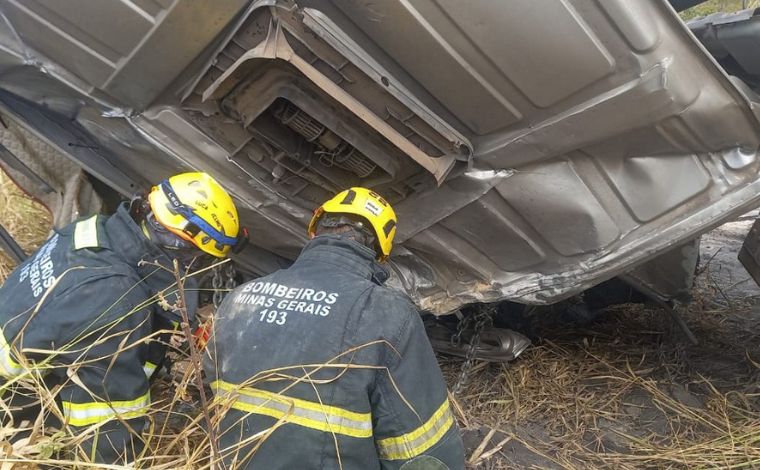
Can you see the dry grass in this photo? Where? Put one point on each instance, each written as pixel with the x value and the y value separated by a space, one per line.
pixel 176 436
pixel 28 221
pixel 624 393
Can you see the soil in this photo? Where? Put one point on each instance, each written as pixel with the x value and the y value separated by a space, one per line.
pixel 627 390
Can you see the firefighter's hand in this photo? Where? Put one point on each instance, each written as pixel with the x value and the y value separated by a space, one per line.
pixel 204 313
pixel 178 339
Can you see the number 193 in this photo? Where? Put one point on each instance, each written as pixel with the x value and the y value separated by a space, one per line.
pixel 273 316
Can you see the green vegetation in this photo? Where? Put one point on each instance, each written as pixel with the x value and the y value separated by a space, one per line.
pixel 714 6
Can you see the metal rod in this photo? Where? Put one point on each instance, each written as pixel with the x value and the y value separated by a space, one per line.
pixel 16 164
pixel 9 245
pixel 669 307
pixel 679 321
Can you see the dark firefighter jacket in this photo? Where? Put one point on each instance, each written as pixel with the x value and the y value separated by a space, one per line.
pixel 71 306
pixel 339 363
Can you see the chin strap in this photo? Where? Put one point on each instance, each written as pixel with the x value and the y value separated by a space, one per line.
pixel 139 207
pixel 242 241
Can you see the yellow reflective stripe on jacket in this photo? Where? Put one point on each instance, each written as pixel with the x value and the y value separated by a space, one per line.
pixel 85 414
pixel 149 368
pixel 416 442
pixel 86 233
pixel 304 413
pixel 8 367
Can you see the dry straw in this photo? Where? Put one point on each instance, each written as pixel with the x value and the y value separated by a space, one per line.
pixel 28 221
pixel 625 393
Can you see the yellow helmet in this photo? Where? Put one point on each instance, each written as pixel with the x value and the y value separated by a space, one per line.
pixel 368 205
pixel 196 208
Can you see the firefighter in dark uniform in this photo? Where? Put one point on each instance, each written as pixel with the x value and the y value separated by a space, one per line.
pixel 319 366
pixel 81 311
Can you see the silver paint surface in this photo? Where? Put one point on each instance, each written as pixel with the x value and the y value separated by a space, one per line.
pixel 554 144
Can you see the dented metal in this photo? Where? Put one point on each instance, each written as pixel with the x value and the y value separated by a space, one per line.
pixel 532 150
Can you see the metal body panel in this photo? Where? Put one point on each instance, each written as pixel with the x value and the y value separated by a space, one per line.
pixel 531 149
pixel 128 49
pixel 653 175
pixel 587 226
pixel 668 277
pixel 749 255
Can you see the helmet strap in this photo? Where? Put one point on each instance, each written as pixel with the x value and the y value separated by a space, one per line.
pixel 170 243
pixel 139 207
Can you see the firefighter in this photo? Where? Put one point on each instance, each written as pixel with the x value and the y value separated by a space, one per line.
pixel 80 312
pixel 321 366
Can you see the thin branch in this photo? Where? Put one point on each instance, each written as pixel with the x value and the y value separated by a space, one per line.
pixel 195 359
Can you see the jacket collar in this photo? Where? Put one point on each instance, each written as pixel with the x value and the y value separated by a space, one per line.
pixel 130 244
pixel 344 254
pixel 128 241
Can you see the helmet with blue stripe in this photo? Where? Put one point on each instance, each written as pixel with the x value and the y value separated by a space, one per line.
pixel 197 209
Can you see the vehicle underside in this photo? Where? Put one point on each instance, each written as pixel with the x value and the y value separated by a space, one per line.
pixel 532 150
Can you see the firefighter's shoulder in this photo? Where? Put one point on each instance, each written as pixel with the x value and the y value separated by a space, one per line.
pixel 394 304
pixel 115 285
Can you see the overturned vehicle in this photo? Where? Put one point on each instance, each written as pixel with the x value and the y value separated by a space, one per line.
pixel 532 150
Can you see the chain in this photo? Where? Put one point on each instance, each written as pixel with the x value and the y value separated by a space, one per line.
pixel 223 281
pixel 230 274
pixel 216 284
pixel 480 317
pixel 456 338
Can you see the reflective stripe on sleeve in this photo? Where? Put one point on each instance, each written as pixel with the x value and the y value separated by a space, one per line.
pixel 414 443
pixel 85 414
pixel 304 413
pixel 8 367
pixel 86 233
pixel 149 368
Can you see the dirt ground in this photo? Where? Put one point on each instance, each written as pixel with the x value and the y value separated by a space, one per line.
pixel 628 390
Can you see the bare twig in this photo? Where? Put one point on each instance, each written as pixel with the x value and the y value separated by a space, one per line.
pixel 707 263
pixel 195 359
pixel 479 450
pixel 493 450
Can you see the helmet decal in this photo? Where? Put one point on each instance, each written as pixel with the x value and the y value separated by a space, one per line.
pixel 372 207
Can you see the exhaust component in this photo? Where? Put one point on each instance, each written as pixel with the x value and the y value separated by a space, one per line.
pixel 495 345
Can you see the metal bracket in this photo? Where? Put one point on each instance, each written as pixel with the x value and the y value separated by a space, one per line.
pixel 14 163
pixel 276 47
pixel 9 245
